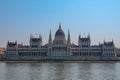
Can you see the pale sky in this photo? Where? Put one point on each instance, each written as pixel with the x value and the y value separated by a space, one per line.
pixel 20 18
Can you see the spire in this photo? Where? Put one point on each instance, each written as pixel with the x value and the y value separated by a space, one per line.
pixel 7 41
pixel 104 41
pixel 89 36
pixel 79 37
pixel 112 40
pixel 50 38
pixel 59 25
pixel 31 36
pixel 15 41
pixel 40 37
pixel 69 39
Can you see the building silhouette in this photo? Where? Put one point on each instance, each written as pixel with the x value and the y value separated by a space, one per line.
pixel 60 48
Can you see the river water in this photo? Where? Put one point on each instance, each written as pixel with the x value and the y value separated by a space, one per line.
pixel 60 71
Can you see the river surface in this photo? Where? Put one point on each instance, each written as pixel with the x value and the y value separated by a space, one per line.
pixel 60 71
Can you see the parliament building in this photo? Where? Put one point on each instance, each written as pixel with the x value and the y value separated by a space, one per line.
pixel 60 48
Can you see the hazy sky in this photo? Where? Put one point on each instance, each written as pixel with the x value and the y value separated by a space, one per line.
pixel 20 18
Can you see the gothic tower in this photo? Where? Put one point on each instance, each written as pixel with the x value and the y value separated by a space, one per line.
pixel 50 38
pixel 68 39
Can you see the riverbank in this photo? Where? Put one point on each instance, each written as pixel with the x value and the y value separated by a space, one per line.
pixel 60 61
pixel 68 59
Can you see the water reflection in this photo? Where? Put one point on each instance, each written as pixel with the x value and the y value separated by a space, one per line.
pixel 59 71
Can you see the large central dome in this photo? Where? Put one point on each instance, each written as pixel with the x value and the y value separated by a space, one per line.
pixel 59 36
pixel 59 32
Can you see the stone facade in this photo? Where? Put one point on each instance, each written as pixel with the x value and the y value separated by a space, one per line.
pixel 61 48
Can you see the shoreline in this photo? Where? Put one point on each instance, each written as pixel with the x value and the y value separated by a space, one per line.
pixel 53 61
